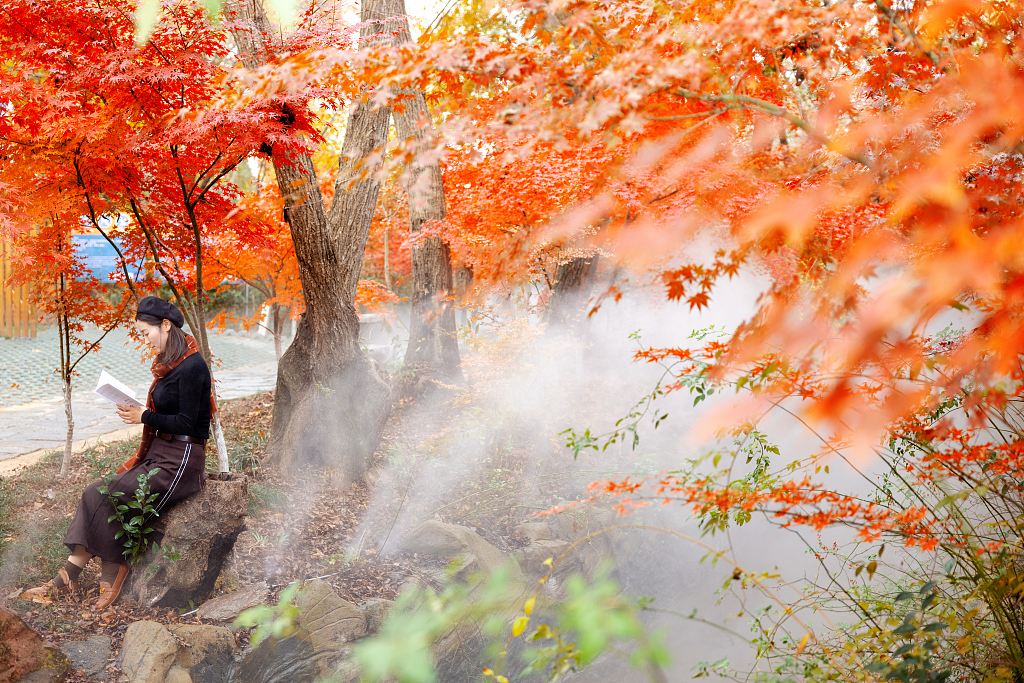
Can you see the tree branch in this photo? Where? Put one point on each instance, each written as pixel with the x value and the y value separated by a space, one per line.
pixel 766 107
pixel 909 33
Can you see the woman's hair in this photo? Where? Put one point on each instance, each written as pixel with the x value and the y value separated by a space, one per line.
pixel 176 345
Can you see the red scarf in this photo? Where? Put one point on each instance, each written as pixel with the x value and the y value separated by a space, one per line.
pixel 159 372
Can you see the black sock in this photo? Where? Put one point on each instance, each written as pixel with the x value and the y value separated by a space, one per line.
pixel 73 570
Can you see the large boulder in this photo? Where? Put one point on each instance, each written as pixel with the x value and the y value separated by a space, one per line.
pixel 147 652
pixel 317 651
pixel 288 660
pixel 202 531
pixel 187 653
pixel 582 531
pixel 205 652
pixel 24 655
pixel 227 607
pixel 439 539
pixel 327 622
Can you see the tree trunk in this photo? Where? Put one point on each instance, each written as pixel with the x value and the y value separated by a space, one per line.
pixel 195 315
pixel 462 280
pixel 331 401
pixel 278 328
pixel 570 292
pixel 433 343
pixel 65 463
pixel 64 333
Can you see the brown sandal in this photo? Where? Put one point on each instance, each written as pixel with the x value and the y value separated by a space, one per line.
pixel 110 592
pixel 51 590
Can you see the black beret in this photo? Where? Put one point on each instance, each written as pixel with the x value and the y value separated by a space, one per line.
pixel 158 308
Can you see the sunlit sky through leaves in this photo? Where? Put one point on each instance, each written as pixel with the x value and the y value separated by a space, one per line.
pixel 421 13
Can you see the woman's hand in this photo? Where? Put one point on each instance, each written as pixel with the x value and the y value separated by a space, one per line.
pixel 130 415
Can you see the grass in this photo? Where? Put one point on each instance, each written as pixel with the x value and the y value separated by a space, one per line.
pixel 40 551
pixel 263 497
pixel 8 498
pixel 244 447
pixel 52 552
pixel 106 457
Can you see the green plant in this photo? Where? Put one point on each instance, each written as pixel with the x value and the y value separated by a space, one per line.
pixel 133 528
pixel 584 625
pixel 100 460
pixel 168 553
pixel 594 618
pixel 243 451
pixel 272 620
pixel 263 497
pixel 103 458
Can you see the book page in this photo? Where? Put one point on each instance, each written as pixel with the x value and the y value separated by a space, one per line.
pixel 114 391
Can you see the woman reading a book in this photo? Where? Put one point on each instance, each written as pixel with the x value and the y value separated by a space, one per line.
pixel 176 424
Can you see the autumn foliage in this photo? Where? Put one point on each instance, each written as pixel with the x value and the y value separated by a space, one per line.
pixel 868 157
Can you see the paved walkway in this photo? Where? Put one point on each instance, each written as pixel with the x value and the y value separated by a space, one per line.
pixel 32 413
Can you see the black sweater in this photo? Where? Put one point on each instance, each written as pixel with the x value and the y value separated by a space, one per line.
pixel 182 400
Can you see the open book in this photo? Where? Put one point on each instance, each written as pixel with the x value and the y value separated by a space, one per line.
pixel 115 392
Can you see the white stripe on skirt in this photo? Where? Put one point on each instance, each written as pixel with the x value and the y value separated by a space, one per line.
pixel 177 478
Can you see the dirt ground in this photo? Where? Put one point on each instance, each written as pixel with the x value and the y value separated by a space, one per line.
pixel 299 527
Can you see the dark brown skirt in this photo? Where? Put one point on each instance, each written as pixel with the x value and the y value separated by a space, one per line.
pixel 181 469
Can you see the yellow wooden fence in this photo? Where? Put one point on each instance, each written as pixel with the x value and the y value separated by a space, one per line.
pixel 18 316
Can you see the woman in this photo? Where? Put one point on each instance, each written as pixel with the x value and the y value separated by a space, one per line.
pixel 176 425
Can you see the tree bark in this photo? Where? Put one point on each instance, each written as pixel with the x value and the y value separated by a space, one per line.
pixel 66 368
pixel 571 290
pixel 195 315
pixel 277 328
pixel 331 401
pixel 433 344
pixel 462 279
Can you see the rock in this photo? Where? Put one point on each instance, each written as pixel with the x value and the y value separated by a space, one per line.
pixel 228 607
pixel 89 656
pixel 177 675
pixel 538 552
pixel 24 656
pixel 346 670
pixel 591 551
pixel 289 660
pixel 533 531
pixel 327 621
pixel 42 676
pixel 439 539
pixel 207 654
pixel 202 529
pixel 458 653
pixel 376 611
pixel 147 652
pixel 188 653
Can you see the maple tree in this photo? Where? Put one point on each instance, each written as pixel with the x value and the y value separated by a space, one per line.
pixel 323 373
pixel 66 292
pixel 126 129
pixel 259 252
pixel 869 157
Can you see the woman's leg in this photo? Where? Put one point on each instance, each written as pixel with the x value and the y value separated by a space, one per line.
pixel 66 580
pixel 80 557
